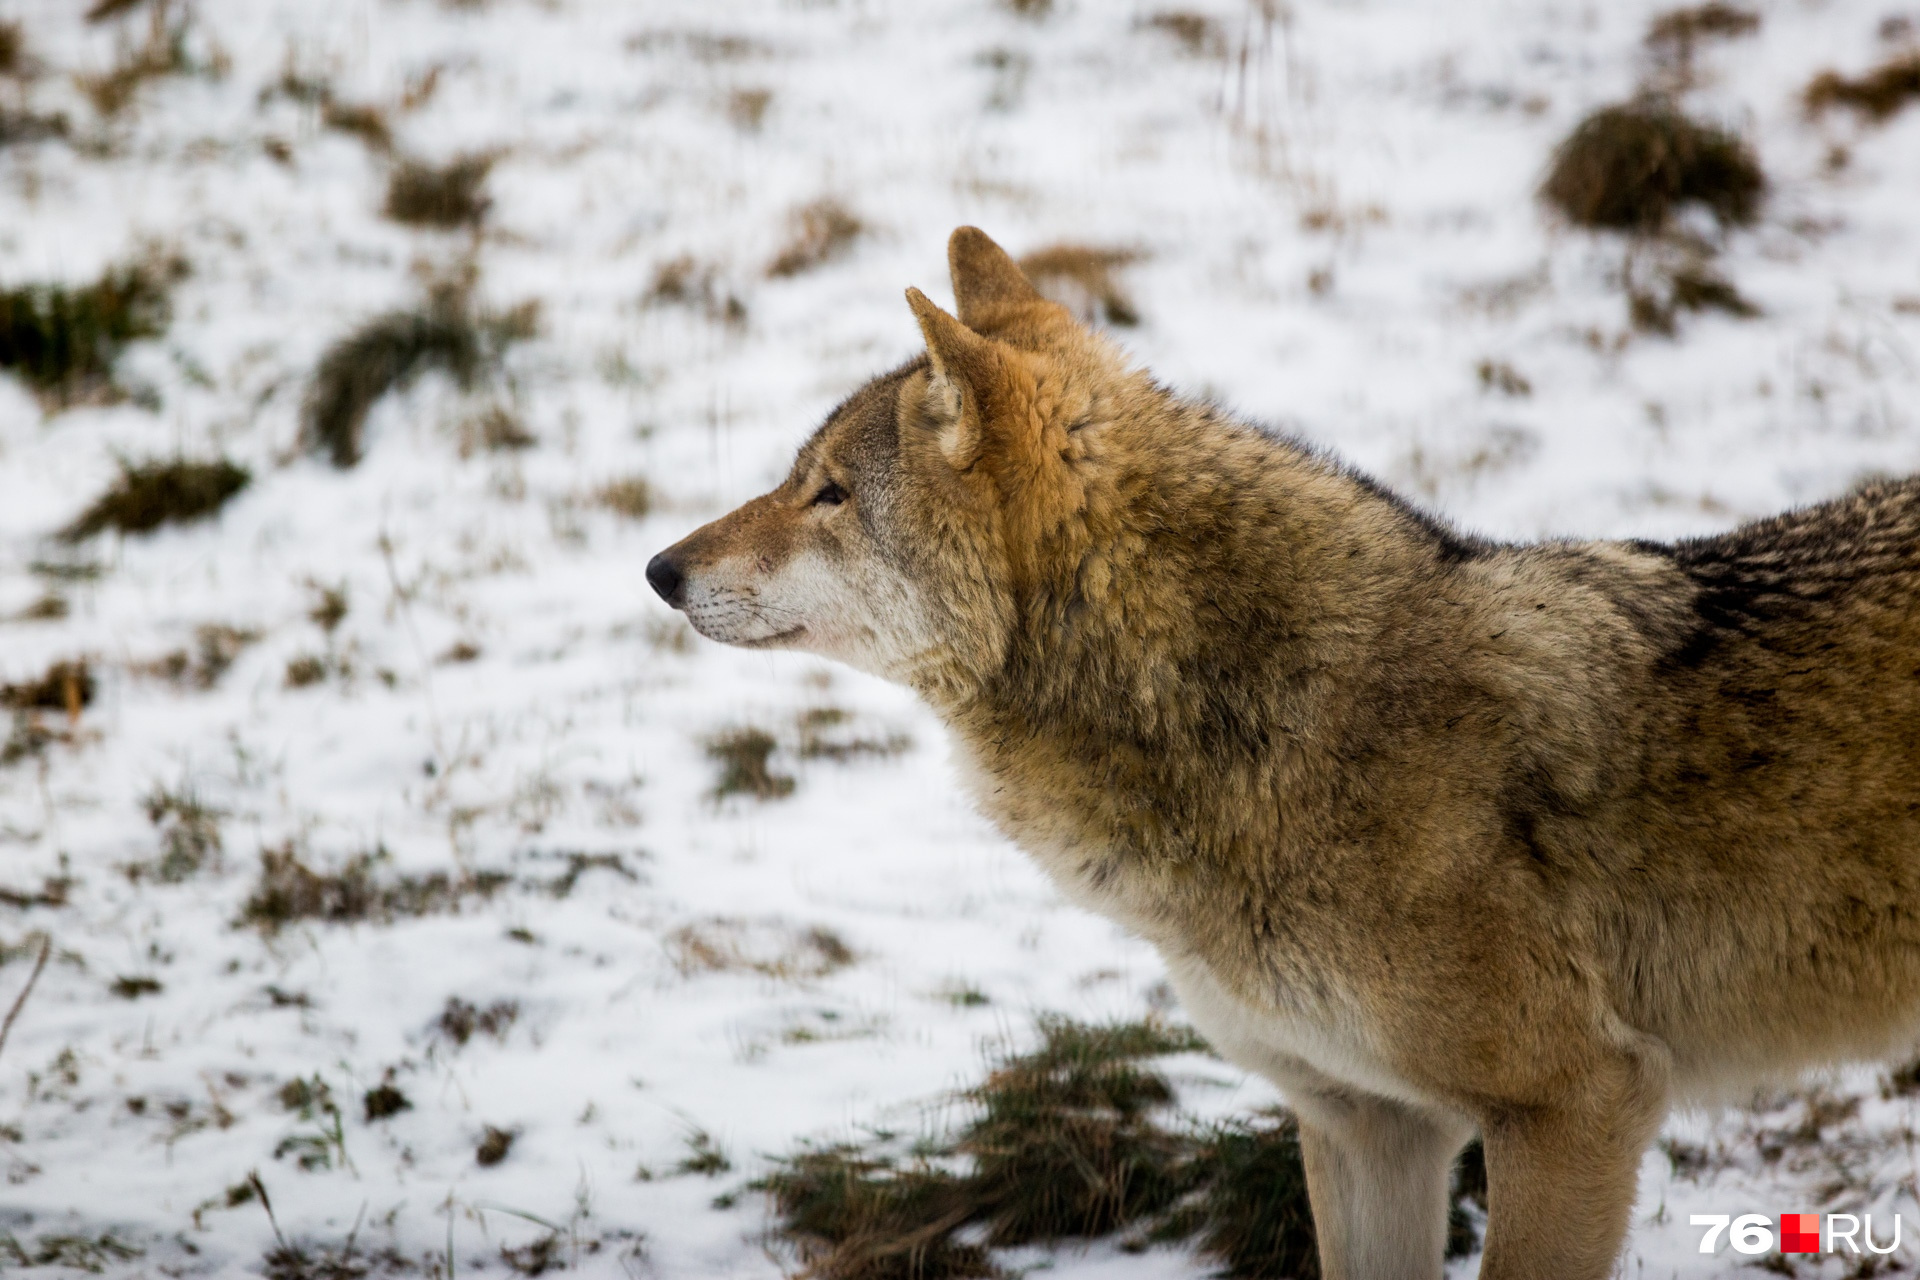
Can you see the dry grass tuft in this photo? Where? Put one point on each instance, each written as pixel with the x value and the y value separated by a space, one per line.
pixel 822 231
pixel 1064 1145
pixel 446 196
pixel 77 1253
pixel 329 606
pixel 1197 33
pixel 189 833
pixel 306 1260
pixel 461 1019
pixel 1498 375
pixel 367 123
pixel 494 429
pixel 25 126
pixel 747 108
pixel 685 282
pixel 383 1100
pixel 289 890
pixel 132 988
pixel 824 736
pixel 101 10
pixel 151 494
pixel 1254 1206
pixel 1675 33
pixel 64 686
pixel 768 948
pixel 389 351
pixel 216 646
pixel 1032 10
pixel 1631 167
pixel 13 49
pixel 495 1143
pixel 629 496
pixel 63 341
pixel 854 1217
pixel 305 670
pixel 705 1156
pixel 163 53
pixel 1691 288
pixel 1081 278
pixel 538 1256
pixel 1878 95
pixel 743 756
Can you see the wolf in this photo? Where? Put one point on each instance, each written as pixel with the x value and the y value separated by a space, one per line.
pixel 1441 834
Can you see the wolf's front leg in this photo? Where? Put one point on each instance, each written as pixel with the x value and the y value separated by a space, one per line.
pixel 1561 1179
pixel 1377 1174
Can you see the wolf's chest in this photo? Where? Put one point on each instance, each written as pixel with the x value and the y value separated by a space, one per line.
pixel 1288 1017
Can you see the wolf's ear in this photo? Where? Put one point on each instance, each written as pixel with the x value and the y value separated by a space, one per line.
pixel 966 368
pixel 986 282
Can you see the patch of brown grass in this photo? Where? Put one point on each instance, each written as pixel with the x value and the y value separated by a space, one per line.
pixel 1082 279
pixel 365 122
pixel 189 833
pixel 445 196
pixel 702 46
pixel 822 231
pixel 1877 95
pixel 1498 375
pixel 629 496
pixel 101 10
pixel 494 429
pixel 1631 167
pixel 1680 30
pixel 163 53
pixel 384 1101
pixel 494 1145
pixel 686 282
pixel 769 948
pixel 747 108
pixel 389 351
pixel 1692 287
pixel 216 646
pixel 824 736
pixel 13 49
pixel 461 1019
pixel 289 890
pixel 151 494
pixel 305 670
pixel 63 340
pixel 65 686
pixel 744 770
pixel 1197 33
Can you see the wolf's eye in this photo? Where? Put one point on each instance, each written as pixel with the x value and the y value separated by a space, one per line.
pixel 830 495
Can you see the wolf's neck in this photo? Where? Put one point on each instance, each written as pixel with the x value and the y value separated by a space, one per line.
pixel 1231 608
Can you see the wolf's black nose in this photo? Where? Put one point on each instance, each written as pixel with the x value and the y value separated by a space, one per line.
pixel 664 576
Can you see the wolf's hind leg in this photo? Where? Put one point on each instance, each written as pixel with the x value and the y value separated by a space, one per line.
pixel 1377 1177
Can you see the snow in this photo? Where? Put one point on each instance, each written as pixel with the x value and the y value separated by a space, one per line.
pixel 1384 148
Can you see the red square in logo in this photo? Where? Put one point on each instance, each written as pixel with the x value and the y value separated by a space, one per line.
pixel 1799 1233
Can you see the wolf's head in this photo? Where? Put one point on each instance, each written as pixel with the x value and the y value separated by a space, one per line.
pixel 930 504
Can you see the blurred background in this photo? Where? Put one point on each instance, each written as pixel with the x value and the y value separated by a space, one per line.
pixel 390 885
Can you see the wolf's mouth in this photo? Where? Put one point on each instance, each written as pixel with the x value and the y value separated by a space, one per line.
pixel 765 642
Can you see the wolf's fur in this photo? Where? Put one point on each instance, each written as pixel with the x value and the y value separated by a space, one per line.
pixel 1439 834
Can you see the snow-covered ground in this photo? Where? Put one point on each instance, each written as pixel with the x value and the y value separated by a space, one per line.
pixel 1333 206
